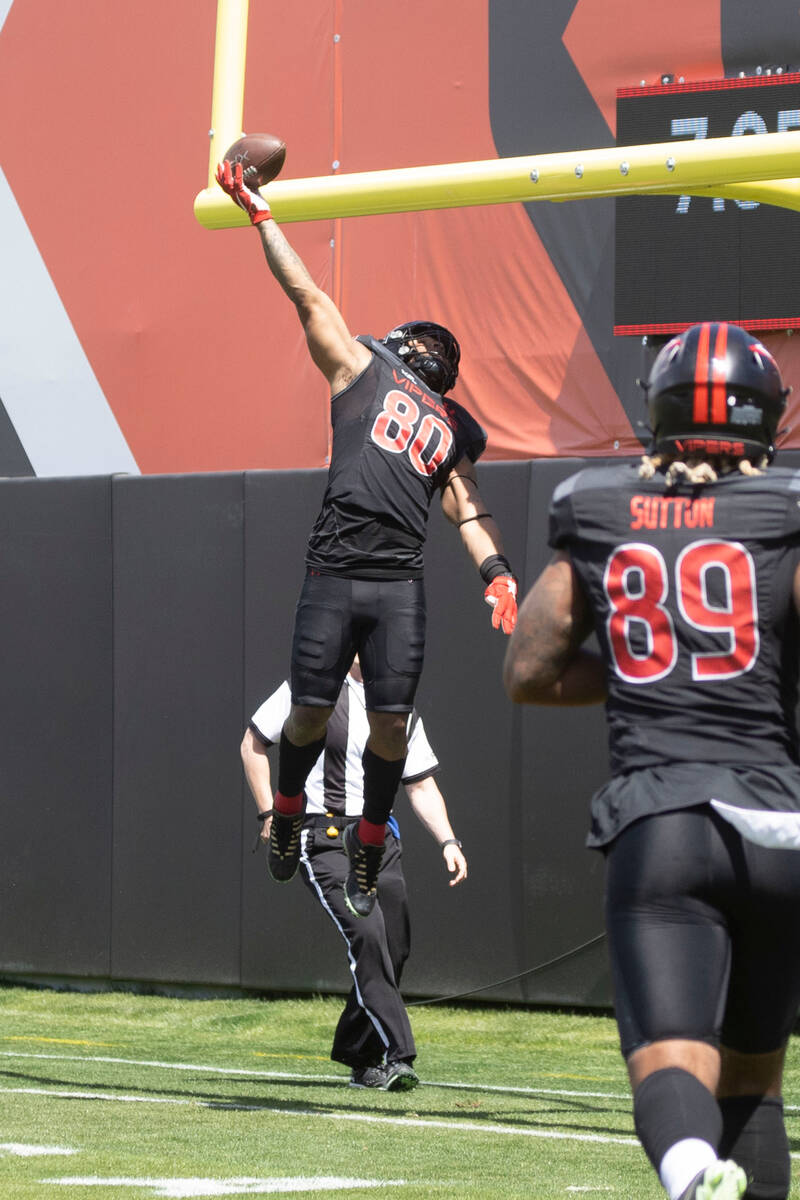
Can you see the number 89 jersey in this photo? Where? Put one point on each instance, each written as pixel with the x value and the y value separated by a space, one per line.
pixel 394 442
pixel 691 592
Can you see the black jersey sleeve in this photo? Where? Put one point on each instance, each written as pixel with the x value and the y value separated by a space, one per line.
pixel 562 524
pixel 470 436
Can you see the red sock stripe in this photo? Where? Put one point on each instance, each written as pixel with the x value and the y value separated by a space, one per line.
pixel 370 833
pixel 700 414
pixel 719 392
pixel 290 806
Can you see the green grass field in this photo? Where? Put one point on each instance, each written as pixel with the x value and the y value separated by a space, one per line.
pixel 131 1096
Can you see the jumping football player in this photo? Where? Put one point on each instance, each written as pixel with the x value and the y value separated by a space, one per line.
pixel 687 568
pixel 397 440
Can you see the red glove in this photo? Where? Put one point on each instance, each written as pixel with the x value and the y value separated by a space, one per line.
pixel 231 180
pixel 502 595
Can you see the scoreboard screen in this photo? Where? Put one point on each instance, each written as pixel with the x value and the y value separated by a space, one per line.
pixel 683 259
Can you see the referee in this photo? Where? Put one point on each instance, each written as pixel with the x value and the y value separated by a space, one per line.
pixel 373 1036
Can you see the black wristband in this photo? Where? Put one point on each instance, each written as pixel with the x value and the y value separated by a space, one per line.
pixel 477 517
pixel 494 565
pixel 450 842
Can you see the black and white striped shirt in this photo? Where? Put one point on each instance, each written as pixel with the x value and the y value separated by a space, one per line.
pixel 336 782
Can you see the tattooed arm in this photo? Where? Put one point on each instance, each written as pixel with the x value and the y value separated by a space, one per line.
pixel 331 345
pixel 545 663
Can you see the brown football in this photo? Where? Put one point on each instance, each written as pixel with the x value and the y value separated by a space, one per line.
pixel 263 152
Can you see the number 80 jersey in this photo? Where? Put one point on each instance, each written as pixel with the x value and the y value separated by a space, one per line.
pixel 691 593
pixel 394 442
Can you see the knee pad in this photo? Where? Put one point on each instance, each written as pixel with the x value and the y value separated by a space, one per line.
pixel 754 1136
pixel 671 1105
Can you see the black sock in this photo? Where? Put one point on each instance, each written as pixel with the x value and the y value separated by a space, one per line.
pixel 754 1136
pixel 671 1105
pixel 381 779
pixel 295 763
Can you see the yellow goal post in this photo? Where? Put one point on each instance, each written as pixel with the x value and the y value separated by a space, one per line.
pixel 755 167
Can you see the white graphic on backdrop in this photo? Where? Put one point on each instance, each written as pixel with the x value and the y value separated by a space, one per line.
pixel 47 384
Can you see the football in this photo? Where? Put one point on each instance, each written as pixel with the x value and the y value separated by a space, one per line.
pixel 262 154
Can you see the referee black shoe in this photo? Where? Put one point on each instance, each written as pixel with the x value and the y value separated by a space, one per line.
pixel 368 1077
pixel 723 1180
pixel 361 885
pixel 283 851
pixel 400 1077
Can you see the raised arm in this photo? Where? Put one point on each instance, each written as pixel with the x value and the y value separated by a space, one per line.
pixel 545 662
pixel 463 505
pixel 333 349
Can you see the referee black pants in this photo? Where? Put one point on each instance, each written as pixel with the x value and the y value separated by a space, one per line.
pixel 374 1024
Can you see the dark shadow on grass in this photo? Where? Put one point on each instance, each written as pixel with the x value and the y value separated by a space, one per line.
pixel 171 1093
pixel 562 1118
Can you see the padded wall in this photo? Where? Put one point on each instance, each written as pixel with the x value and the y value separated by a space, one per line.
pixel 562 757
pixel 178 604
pixel 56 726
pixel 287 942
pixel 472 935
pixel 145 619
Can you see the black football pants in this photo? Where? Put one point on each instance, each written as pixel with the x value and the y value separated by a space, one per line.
pixel 383 620
pixel 704 933
pixel 374 1022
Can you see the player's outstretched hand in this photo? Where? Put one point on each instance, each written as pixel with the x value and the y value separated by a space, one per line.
pixel 501 594
pixel 231 180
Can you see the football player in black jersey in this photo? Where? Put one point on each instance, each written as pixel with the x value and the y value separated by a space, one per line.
pixel 686 567
pixel 397 439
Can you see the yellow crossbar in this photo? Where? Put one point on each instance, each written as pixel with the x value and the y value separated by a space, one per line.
pixel 753 167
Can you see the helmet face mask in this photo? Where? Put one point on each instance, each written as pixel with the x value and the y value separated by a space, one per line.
pixel 715 390
pixel 427 349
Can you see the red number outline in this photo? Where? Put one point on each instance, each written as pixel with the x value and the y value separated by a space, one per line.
pixel 733 558
pixel 646 604
pixel 662 652
pixel 401 411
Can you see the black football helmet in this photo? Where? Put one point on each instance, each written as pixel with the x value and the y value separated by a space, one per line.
pixel 714 389
pixel 437 364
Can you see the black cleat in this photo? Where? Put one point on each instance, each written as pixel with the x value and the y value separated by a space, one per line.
pixel 400 1077
pixel 361 885
pixel 283 851
pixel 368 1077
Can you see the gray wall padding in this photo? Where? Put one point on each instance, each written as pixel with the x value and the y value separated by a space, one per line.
pixel 56 732
pixel 177 704
pixel 143 620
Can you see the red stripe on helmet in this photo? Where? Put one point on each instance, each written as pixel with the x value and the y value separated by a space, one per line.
pixel 700 414
pixel 719 391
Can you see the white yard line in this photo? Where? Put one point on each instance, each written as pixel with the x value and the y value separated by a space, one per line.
pixel 364 1118
pixel 306 1114
pixel 23 1150
pixel 185 1188
pixel 173 1066
pixel 250 1073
